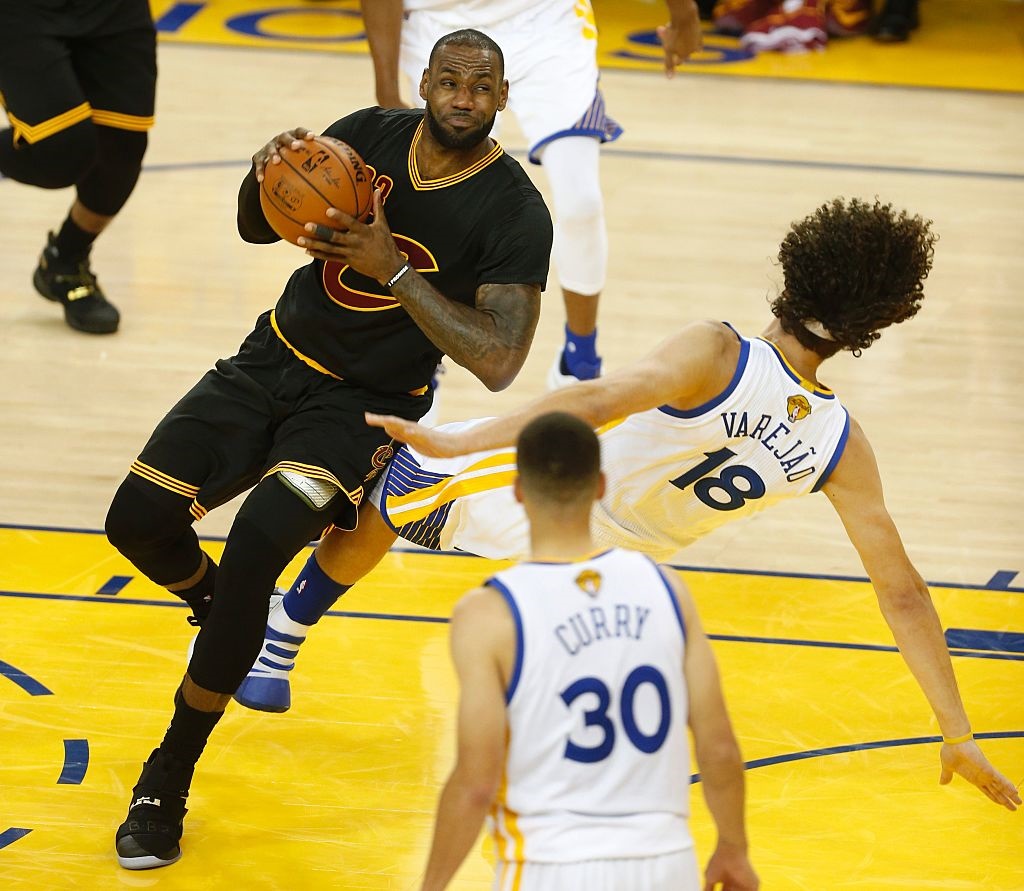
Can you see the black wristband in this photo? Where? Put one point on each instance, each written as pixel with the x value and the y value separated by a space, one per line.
pixel 391 282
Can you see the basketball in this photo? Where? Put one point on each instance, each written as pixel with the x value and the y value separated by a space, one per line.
pixel 321 173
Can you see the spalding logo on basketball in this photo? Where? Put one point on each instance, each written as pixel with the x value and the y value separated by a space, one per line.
pixel 320 174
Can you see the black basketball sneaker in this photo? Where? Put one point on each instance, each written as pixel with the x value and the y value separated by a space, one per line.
pixel 72 284
pixel 150 835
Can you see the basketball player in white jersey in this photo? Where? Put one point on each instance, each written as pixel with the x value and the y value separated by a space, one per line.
pixel 550 49
pixel 579 671
pixel 715 426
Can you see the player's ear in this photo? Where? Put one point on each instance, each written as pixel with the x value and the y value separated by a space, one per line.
pixel 503 96
pixel 517 490
pixel 601 481
pixel 424 83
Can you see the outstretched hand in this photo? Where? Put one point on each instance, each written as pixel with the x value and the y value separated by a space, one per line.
pixel 681 38
pixel 730 870
pixel 430 442
pixel 969 761
pixel 368 248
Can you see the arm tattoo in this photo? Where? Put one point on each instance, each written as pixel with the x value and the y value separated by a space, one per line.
pixel 491 339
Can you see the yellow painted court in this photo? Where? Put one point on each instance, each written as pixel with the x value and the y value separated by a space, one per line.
pixel 339 792
pixel 962 44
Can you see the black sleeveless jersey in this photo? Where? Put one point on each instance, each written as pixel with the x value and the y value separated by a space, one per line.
pixel 485 225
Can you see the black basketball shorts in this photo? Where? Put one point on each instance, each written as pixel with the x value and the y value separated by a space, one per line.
pixel 67 61
pixel 264 411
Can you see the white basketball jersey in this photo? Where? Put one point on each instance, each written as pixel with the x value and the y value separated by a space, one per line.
pixel 597 764
pixel 671 476
pixel 484 14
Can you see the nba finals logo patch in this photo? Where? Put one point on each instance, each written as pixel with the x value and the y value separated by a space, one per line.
pixel 797 408
pixel 589 582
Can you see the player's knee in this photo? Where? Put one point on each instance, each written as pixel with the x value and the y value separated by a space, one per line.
pixel 138 523
pixel 122 148
pixel 61 160
pixel 111 180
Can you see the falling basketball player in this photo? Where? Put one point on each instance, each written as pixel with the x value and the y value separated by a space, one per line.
pixel 591 739
pixel 455 266
pixel 709 427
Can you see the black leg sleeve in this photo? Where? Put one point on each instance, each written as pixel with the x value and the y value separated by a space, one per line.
pixel 271 527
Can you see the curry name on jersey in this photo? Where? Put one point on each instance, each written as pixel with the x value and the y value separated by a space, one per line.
pixel 597 762
pixel 484 225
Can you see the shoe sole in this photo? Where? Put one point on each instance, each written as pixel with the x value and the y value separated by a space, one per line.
pixel 147 862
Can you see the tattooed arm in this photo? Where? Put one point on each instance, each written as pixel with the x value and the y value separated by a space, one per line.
pixel 491 339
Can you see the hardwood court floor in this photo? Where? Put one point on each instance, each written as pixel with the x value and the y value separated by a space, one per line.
pixel 339 793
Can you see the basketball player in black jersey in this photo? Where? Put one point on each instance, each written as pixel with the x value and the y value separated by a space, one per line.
pixel 453 263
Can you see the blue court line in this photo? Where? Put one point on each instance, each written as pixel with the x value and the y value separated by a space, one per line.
pixel 76 762
pixel 442 620
pixel 114 585
pixel 28 684
pixel 10 836
pixel 1001 580
pixel 768 573
pixel 696 157
pixel 860 747
pixel 976 639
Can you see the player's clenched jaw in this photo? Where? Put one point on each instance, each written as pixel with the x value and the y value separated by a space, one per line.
pixel 463 90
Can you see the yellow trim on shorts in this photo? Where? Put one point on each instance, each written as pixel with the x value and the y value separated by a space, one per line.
pixel 493 472
pixel 161 479
pixel 33 133
pixel 138 123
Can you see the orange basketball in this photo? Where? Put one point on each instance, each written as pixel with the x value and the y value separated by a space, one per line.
pixel 321 173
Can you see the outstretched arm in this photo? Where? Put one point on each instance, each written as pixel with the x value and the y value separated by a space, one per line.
pixel 481 628
pixel 382 20
pixel 681 37
pixel 684 371
pixel 717 753
pixel 855 490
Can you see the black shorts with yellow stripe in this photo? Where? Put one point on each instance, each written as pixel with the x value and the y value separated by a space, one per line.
pixel 67 61
pixel 265 411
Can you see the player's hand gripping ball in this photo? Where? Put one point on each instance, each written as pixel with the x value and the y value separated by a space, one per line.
pixel 321 173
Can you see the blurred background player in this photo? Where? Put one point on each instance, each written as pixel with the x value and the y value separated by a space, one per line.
pixel 78 82
pixel 712 426
pixel 578 673
pixel 550 51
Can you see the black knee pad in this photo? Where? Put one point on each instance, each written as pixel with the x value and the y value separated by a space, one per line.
pixel 109 182
pixel 55 162
pixel 153 529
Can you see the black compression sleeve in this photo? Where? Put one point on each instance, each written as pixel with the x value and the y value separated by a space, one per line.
pixel 252 225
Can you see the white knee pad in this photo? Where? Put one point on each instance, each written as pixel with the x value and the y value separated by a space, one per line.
pixel 581 239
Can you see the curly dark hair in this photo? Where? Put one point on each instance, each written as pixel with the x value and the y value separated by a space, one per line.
pixel 854 267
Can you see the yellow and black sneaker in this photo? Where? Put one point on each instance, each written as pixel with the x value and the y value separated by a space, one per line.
pixel 73 285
